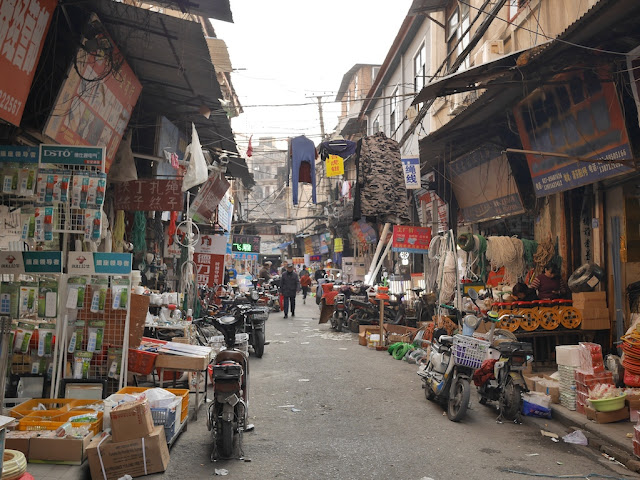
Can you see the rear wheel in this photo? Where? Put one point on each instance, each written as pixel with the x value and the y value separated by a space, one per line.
pixel 458 400
pixel 354 324
pixel 258 346
pixel 510 400
pixel 338 322
pixel 226 439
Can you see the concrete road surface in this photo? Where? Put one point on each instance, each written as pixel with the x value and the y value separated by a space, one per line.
pixel 325 407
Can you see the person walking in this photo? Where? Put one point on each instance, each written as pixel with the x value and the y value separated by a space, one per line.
pixel 289 286
pixel 305 283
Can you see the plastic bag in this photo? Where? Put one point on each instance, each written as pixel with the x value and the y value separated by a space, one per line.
pixel 577 438
pixel 536 405
pixel 123 168
pixel 197 171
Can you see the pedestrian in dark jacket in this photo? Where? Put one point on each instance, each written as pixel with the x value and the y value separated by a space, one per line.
pixel 289 286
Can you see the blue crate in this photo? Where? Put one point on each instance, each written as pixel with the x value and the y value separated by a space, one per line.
pixel 167 415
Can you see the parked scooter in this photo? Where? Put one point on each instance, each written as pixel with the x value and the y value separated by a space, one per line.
pixel 340 317
pixel 254 324
pixel 447 374
pixel 227 414
pixel 502 380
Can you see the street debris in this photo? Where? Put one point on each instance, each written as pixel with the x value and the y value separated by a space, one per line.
pixel 303 379
pixel 576 438
pixel 221 471
pixel 549 434
pixel 532 454
pixel 296 410
pixel 305 343
pixel 286 406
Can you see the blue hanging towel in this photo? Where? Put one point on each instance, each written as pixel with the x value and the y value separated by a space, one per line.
pixel 303 165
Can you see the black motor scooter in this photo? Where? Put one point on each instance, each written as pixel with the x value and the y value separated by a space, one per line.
pixel 503 381
pixel 227 414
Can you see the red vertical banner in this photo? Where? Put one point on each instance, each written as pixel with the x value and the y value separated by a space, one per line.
pixel 210 268
pixel 23 28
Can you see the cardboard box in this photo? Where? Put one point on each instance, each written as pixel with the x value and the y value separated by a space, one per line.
pixel 182 362
pixel 550 387
pixel 138 457
pixel 362 336
pixel 531 380
pixel 607 417
pixel 66 451
pixel 131 420
pixel 568 355
pixel 589 313
pixel 398 333
pixel 595 324
pixel 586 300
pixel 20 444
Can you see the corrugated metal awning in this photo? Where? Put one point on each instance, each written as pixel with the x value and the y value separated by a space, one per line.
pixel 219 54
pixel 171 59
pixel 427 6
pixel 216 9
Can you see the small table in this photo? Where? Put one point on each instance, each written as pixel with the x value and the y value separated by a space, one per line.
pixel 179 363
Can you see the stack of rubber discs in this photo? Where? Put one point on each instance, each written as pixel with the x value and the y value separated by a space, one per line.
pixel 631 349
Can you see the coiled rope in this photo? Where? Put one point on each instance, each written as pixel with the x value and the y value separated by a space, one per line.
pixel 507 252
pixel 530 248
pixel 544 254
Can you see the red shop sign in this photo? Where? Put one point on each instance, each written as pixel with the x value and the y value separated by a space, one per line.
pixel 411 239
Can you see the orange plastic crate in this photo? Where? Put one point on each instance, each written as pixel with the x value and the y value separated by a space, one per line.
pixel 54 406
pixel 141 362
pixel 36 421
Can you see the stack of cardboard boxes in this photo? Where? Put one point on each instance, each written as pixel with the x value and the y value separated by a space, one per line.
pixel 593 308
pixel 135 447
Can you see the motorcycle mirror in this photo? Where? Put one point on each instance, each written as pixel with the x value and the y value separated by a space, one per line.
pixel 472 294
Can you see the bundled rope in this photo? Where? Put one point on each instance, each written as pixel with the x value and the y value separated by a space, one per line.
pixel 431 278
pixel 507 252
pixel 139 232
pixel 544 254
pixel 481 250
pixel 118 233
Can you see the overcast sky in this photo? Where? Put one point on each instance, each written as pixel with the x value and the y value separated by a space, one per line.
pixel 290 51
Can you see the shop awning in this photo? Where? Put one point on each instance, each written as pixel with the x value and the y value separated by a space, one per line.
pixel 500 70
pixel 216 9
pixel 609 26
pixel 427 6
pixel 171 58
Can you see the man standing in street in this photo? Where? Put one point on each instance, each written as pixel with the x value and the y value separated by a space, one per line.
pixel 305 283
pixel 289 286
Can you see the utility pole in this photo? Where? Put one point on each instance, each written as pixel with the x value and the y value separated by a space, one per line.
pixel 319 97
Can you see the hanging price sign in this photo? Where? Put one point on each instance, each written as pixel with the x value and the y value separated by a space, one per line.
pixel 335 166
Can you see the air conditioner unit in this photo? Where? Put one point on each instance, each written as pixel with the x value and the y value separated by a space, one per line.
pixel 489 51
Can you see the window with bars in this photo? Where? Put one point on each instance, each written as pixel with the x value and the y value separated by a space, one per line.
pixel 457 24
pixel 376 125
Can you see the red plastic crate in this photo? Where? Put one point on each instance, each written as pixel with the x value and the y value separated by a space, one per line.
pixel 581 408
pixel 581 388
pixel 582 398
pixel 141 362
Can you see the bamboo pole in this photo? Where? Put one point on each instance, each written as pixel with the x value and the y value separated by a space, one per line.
pixel 374 261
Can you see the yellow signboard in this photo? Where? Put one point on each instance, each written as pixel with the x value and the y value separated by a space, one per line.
pixel 335 166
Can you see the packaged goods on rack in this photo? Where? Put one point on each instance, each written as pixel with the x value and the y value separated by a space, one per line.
pixel 591 360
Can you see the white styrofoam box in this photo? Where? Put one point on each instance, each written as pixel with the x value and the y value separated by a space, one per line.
pixel 568 355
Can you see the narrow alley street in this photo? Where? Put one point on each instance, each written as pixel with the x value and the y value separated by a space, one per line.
pixel 325 407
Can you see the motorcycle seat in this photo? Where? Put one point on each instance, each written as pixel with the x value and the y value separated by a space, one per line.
pixel 445 340
pixel 509 348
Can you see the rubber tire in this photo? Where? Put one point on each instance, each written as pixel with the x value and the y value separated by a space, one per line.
pixel 429 394
pixel 354 324
pixel 510 400
pixel 258 346
pixel 458 400
pixel 338 323
pixel 578 280
pixel 226 439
